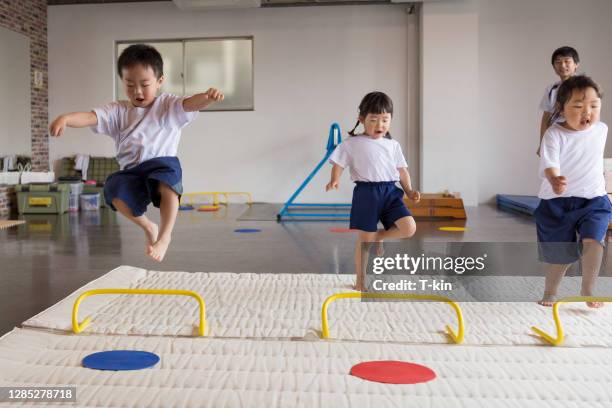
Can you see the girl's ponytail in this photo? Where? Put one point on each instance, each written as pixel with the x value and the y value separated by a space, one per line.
pixel 352 132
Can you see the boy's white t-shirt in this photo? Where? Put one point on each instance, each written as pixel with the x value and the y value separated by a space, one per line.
pixel 579 157
pixel 141 134
pixel 547 104
pixel 370 159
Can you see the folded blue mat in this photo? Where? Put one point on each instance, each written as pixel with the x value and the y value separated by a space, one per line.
pixel 521 204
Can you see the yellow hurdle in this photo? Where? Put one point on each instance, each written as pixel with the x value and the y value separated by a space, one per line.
pixel 78 328
pixel 456 337
pixel 215 196
pixel 560 336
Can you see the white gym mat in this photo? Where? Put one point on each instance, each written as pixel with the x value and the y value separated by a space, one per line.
pixel 288 306
pixel 202 372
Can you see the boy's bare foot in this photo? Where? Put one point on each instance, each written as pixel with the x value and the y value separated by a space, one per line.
pixel 593 305
pixel 158 250
pixel 151 232
pixel 547 300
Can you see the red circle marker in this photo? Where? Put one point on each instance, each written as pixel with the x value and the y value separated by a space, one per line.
pixel 393 372
pixel 341 230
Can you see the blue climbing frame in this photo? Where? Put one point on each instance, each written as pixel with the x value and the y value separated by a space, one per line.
pixel 334 139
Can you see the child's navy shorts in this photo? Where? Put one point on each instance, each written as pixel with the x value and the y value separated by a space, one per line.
pixel 139 186
pixel 562 222
pixel 377 201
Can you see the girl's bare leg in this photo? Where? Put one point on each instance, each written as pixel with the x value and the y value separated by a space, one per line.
pixel 364 241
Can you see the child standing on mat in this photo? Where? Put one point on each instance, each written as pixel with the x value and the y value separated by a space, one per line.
pixel 376 164
pixel 574 207
pixel 565 62
pixel 146 130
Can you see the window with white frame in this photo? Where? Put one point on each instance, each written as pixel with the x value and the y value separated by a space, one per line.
pixel 194 65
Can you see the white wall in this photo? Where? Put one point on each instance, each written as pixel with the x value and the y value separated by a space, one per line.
pixel 495 54
pixel 15 135
pixel 449 99
pixel 312 67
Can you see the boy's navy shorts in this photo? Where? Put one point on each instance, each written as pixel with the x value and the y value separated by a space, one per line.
pixel 377 201
pixel 562 223
pixel 139 186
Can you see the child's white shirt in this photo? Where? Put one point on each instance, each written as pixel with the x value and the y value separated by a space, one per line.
pixel 549 99
pixel 141 134
pixel 579 157
pixel 370 159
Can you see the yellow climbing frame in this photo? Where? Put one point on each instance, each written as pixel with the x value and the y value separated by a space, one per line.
pixel 190 197
pixel 456 337
pixel 560 336
pixel 79 327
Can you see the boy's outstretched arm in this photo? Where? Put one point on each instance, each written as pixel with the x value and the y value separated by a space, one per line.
pixel 407 185
pixel 335 177
pixel 74 119
pixel 202 100
pixel 558 182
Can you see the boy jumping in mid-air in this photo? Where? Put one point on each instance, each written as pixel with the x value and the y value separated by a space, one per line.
pixel 146 130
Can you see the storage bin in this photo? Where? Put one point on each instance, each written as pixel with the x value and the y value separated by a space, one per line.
pixel 90 201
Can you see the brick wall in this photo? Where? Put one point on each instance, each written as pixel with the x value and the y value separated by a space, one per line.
pixel 29 17
pixel 8 201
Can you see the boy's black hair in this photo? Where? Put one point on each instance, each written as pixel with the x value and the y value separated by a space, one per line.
pixel 374 103
pixel 565 52
pixel 142 54
pixel 575 83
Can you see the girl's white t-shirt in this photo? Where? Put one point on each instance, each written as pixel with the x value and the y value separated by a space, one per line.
pixel 370 159
pixel 579 157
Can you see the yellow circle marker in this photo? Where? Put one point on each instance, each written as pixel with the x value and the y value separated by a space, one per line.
pixel 452 229
pixel 207 208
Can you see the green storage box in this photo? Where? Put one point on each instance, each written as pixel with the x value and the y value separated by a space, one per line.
pixel 42 198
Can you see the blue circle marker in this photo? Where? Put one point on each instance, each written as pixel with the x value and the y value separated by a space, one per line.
pixel 120 360
pixel 185 207
pixel 247 230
